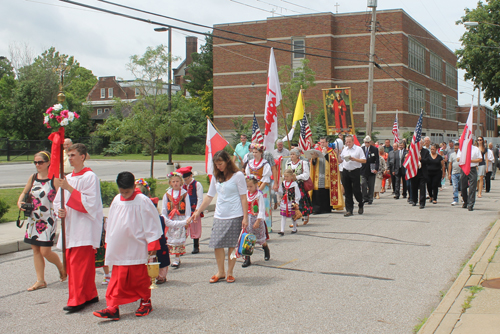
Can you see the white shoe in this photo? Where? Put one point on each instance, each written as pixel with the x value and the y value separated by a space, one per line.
pixel 453 203
pixel 105 281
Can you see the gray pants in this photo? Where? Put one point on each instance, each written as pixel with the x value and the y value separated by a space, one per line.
pixel 368 186
pixel 469 185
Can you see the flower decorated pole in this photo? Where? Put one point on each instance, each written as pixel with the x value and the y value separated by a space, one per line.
pixel 56 117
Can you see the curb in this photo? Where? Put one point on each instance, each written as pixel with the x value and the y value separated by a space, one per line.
pixel 446 315
pixel 20 245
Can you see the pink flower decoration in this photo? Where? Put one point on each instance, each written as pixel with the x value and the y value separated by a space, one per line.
pixel 49 127
pixel 51 195
pixel 49 111
pixel 59 119
pixel 64 113
pixel 52 116
pixel 76 115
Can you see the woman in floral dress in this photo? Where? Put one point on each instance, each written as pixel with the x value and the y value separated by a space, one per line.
pixel 41 227
pixel 301 170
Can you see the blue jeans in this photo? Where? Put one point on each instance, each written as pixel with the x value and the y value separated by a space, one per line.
pixel 455 180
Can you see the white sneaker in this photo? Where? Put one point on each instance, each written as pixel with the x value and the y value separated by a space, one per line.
pixel 105 281
pixel 453 203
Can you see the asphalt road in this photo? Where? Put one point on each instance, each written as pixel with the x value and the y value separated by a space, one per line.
pixel 376 273
pixel 16 175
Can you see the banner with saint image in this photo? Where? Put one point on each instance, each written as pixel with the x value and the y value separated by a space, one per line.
pixel 338 111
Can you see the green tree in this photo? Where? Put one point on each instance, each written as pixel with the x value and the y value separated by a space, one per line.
pixel 479 56
pixel 199 79
pixel 6 68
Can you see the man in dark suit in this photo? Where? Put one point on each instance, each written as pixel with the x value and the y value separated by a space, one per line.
pixel 392 162
pixel 369 170
pixel 397 158
pixel 420 180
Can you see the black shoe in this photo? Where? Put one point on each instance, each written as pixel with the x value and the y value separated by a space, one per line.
pixel 422 206
pixel 293 232
pixel 108 314
pixel 410 201
pixel 464 206
pixel 267 253
pixel 247 262
pixel 73 309
pixel 348 214
pixel 281 233
pixel 413 204
pixel 470 208
pixel 196 246
pixel 404 196
pixel 92 301
pixel 396 197
pixel 195 251
pixel 361 210
pixel 370 202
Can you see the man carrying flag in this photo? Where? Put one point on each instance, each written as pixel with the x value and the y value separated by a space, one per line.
pixel 469 157
pixel 416 165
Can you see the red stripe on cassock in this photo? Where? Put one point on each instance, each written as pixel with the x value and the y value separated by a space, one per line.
pixel 75 201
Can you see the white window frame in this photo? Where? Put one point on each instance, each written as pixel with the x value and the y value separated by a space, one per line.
pixel 451 112
pixel 137 92
pixel 416 55
pixel 106 109
pixel 416 99
pixel 103 93
pixel 99 111
pixel 110 93
pixel 436 67
pixel 436 99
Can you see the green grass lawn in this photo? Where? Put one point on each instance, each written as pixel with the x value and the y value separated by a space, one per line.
pixel 10 196
pixel 175 157
pixel 162 185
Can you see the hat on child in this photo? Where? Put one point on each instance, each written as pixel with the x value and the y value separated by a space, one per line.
pixel 185 171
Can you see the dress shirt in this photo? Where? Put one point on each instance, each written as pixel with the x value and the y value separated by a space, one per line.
pixel 354 152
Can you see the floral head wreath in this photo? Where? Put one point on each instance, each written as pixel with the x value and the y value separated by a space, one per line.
pixel 174 174
pixel 142 182
pixel 257 146
pixel 252 177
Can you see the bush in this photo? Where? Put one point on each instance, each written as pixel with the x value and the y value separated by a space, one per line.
pixel 4 207
pixel 152 186
pixel 108 191
pixel 115 148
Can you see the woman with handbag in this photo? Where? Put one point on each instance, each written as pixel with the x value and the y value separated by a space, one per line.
pixel 301 170
pixel 37 197
pixel 260 168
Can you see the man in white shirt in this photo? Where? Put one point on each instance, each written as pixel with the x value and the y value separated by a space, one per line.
pixel 352 157
pixel 280 151
pixel 469 182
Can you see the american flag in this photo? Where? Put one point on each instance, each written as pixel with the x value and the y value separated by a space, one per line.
pixel 305 135
pixel 395 129
pixel 256 135
pixel 412 158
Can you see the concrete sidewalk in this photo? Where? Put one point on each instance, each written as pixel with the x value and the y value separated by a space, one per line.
pixel 463 310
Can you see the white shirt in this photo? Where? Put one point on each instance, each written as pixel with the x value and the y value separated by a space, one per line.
pixel 82 229
pixel 176 234
pixel 131 226
pixel 475 154
pixel 266 173
pixel 354 152
pixel 262 204
pixel 305 169
pixel 491 159
pixel 284 153
pixel 228 196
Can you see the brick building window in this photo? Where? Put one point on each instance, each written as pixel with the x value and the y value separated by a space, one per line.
pixel 416 55
pixel 416 98
pixel 451 105
pixel 103 93
pixel 451 76
pixel 99 111
pixel 436 104
pixel 436 67
pixel 110 93
pixel 299 47
pixel 490 121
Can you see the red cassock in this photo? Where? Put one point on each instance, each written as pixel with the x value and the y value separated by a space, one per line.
pixel 340 110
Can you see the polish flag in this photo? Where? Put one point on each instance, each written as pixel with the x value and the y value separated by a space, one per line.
pixel 466 144
pixel 273 99
pixel 215 142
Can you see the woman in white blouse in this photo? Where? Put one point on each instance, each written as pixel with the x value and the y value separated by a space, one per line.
pixel 301 171
pixel 231 214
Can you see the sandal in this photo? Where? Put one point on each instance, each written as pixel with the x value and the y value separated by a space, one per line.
pixel 161 280
pixel 230 279
pixel 215 278
pixel 434 202
pixel 63 275
pixel 38 286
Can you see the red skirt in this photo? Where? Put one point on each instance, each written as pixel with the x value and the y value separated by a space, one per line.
pixel 128 284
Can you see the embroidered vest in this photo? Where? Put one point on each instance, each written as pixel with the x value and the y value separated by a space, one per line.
pixel 180 206
pixel 191 191
pixel 290 192
pixel 253 206
pixel 257 172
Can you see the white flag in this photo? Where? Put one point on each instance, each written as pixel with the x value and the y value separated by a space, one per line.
pixel 273 99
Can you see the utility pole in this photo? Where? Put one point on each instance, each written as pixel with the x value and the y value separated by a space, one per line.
pixel 370 111
pixel 478 130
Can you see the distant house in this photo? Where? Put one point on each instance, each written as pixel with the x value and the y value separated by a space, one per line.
pixel 183 68
pixel 107 88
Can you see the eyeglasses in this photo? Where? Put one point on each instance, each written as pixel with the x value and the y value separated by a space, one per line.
pixel 38 162
pixel 479 140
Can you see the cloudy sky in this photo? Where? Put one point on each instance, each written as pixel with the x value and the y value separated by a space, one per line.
pixel 103 43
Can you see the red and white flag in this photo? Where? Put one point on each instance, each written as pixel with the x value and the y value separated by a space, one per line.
pixel 466 144
pixel 215 142
pixel 305 135
pixel 395 129
pixel 273 100
pixel 412 159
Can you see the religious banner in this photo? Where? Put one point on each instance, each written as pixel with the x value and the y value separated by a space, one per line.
pixel 338 111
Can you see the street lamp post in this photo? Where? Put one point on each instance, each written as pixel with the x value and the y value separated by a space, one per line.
pixel 169 108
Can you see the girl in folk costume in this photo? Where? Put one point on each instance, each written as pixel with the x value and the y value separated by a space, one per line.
pixel 162 254
pixel 176 206
pixel 256 217
pixel 260 168
pixel 301 170
pixel 290 194
pixel 195 193
pixel 133 232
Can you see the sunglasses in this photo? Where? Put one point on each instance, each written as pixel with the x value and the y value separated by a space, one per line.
pixel 41 162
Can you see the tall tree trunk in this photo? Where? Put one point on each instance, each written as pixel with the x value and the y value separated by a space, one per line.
pixel 152 155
